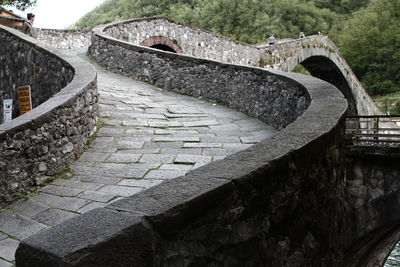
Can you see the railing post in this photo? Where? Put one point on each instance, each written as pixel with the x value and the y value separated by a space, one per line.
pixel 376 131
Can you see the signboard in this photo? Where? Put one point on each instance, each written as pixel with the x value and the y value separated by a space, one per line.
pixel 24 99
pixel 7 107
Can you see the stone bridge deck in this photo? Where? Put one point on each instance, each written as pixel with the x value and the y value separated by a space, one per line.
pixel 147 136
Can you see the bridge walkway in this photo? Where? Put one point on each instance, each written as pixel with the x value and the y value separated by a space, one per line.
pixel 146 136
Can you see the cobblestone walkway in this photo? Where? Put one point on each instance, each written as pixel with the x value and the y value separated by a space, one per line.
pixel 147 136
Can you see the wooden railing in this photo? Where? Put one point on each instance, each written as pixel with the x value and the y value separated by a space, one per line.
pixel 382 130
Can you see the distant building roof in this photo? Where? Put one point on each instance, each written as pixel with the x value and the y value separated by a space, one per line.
pixel 9 14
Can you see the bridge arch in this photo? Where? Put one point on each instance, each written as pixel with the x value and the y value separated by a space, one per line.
pixel 162 43
pixel 323 60
pixel 325 69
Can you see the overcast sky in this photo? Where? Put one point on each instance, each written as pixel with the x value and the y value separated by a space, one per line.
pixel 59 14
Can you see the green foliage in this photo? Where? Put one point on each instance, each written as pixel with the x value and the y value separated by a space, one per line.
pixel 367 31
pixel 26 195
pixel 396 109
pixel 370 42
pixel 250 21
pixel 300 69
pixel 19 4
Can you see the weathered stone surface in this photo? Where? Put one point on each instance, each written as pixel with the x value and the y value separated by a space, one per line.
pixel 7 249
pixel 17 226
pixel 194 42
pixel 64 100
pixel 97 196
pixel 372 197
pixel 4 263
pixel 64 39
pixel 54 216
pixel 66 203
pixel 28 207
pixel 119 190
pixel 176 201
pixel 90 249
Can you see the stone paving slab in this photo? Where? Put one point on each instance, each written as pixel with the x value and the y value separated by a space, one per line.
pixel 4 263
pixel 66 203
pixel 28 207
pixel 97 196
pixel 61 191
pixel 7 249
pixel 148 136
pixel 18 226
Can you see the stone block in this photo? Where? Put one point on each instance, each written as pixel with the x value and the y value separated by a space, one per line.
pixel 53 216
pixel 173 203
pixel 100 237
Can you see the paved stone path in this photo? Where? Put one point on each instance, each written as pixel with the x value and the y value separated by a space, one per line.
pixel 147 136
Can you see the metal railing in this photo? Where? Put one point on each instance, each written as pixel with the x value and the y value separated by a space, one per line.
pixel 380 130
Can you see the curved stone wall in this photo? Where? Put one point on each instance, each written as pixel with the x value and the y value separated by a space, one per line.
pixel 194 42
pixel 286 56
pixel 283 56
pixel 23 64
pixel 372 205
pixel 279 202
pixel 49 137
pixel 64 39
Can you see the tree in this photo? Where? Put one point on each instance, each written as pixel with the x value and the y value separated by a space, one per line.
pixel 19 4
pixel 370 42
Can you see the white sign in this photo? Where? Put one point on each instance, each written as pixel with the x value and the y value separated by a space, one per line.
pixel 7 107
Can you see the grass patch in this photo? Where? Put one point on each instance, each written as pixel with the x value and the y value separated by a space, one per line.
pixel 300 69
pixel 26 195
pixel 389 103
pixel 93 137
pixel 67 174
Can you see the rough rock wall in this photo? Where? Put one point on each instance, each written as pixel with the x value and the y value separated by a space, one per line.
pixel 22 63
pixel 64 39
pixel 194 42
pixel 372 191
pixel 49 137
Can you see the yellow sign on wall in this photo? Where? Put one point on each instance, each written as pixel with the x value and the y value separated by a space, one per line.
pixel 24 99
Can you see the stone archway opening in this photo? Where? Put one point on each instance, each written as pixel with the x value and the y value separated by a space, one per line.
pixel 162 43
pixel 323 68
pixel 163 48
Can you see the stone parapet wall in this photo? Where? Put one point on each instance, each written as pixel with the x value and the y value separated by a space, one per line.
pixel 25 64
pixel 267 96
pixel 64 39
pixel 277 203
pixel 194 42
pixel 373 187
pixel 282 56
pixel 372 204
pixel 286 56
pixel 49 137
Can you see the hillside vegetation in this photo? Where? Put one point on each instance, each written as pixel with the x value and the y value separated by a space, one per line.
pixel 366 31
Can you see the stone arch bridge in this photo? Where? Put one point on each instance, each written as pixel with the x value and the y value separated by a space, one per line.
pixel 289 200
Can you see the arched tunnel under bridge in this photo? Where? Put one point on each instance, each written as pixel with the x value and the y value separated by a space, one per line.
pixel 323 68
